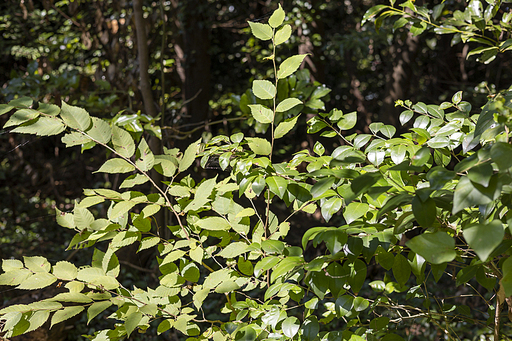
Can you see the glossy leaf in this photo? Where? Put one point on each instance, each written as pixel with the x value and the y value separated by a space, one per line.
pixel 484 238
pixel 436 248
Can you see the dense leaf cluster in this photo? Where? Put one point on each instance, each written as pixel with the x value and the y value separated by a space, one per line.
pixel 446 180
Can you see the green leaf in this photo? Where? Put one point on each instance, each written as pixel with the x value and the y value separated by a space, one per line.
pixel 74 139
pixel 436 248
pixel 310 328
pixel 261 113
pixel 114 166
pixel 213 224
pixel 234 250
pixel 37 281
pixel 100 131
pixel 121 208
pixel 65 270
pixel 96 308
pixel 321 186
pixel 283 34
pixel 330 207
pixel 348 121
pixel 506 281
pixel 401 269
pixel 21 116
pixel 134 180
pixel 259 146
pixel 132 321
pixel 343 305
pixel 290 65
pixel 468 194
pixel 290 326
pixel 481 174
pixel 484 238
pixel 145 158
pixel 424 211
pixel 261 31
pixel 501 154
pixel 263 89
pixel 388 131
pixel 37 264
pixel 43 126
pixel 14 277
pixel 354 211
pixel 189 156
pixel 406 116
pixel 201 196
pixel 284 127
pixel 360 304
pixel 37 319
pixel 75 117
pixel 287 104
pixel 123 142
pixel 65 314
pixel 277 18
pixel 5 108
pixel 277 185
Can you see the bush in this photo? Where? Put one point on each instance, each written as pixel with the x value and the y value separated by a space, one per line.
pixel 429 206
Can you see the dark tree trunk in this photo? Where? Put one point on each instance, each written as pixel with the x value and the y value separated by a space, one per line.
pixel 403 53
pixel 193 60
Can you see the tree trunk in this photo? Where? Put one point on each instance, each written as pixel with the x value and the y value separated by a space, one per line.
pixel 403 54
pixel 193 60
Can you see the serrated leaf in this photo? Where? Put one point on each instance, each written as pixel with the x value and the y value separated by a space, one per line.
pixel 65 314
pixel 259 146
pixel 134 180
pixel 121 208
pixel 148 242
pixel 14 277
pixel 37 264
pixel 21 116
pixel 233 250
pixel 145 158
pixel 75 297
pixel 82 217
pixel 289 66
pixel 11 264
pixel 277 18
pixel 65 270
pixel 201 196
pixel 37 319
pixel 189 156
pixel 284 127
pixel 96 308
pixel 283 34
pixel 287 104
pixel 75 139
pixel 261 113
pixel 213 224
pixel 114 166
pixel 261 31
pixel 123 142
pixel 37 281
pixel 75 117
pixel 100 130
pixel 43 126
pixel 263 89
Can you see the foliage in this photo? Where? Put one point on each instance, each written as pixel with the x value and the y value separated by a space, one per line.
pixel 446 180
